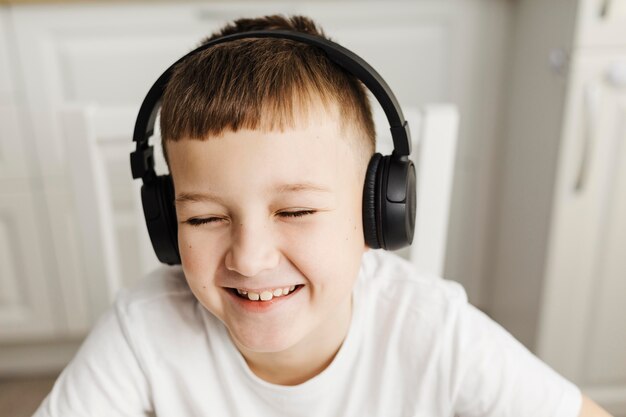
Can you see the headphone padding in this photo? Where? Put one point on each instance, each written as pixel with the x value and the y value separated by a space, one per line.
pixel 160 214
pixel 170 210
pixel 371 208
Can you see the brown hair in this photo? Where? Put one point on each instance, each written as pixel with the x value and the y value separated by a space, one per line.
pixel 258 83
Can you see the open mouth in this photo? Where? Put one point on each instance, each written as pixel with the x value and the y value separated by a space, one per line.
pixel 268 295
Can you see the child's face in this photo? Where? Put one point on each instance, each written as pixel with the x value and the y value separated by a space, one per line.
pixel 252 244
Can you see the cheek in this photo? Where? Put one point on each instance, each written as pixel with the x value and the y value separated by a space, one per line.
pixel 329 249
pixel 194 247
pixel 189 248
pixel 196 242
pixel 200 269
pixel 349 227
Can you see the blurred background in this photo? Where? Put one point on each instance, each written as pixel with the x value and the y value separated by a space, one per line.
pixel 535 206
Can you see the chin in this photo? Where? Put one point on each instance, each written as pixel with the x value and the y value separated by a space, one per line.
pixel 256 340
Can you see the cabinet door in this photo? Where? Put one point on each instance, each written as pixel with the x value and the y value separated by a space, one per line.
pixel 601 23
pixel 29 305
pixel 582 332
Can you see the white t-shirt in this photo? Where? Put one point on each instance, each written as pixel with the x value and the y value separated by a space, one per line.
pixel 415 347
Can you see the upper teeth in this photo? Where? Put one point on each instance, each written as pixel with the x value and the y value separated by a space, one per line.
pixel 267 294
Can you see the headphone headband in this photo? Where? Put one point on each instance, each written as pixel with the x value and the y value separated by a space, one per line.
pixel 142 160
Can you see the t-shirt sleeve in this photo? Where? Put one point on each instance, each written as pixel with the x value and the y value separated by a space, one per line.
pixel 103 379
pixel 493 374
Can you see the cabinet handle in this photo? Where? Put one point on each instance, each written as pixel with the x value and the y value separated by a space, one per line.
pixel 605 9
pixel 591 98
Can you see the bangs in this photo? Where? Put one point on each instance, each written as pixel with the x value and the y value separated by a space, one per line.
pixel 259 84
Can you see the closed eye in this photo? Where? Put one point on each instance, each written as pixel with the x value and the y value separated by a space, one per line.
pixel 198 222
pixel 296 213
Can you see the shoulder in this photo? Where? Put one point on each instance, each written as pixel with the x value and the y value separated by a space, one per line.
pixel 161 296
pixel 415 315
pixel 411 293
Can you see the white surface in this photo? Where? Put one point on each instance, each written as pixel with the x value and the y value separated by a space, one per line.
pixel 600 23
pixel 25 302
pixel 7 87
pixel 102 274
pixel 435 171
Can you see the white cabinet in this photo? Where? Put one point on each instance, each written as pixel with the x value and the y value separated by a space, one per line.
pixel 559 274
pixel 582 327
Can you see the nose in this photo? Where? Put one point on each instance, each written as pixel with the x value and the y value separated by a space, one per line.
pixel 252 250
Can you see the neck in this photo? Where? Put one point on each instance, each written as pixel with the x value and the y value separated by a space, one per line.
pixel 306 359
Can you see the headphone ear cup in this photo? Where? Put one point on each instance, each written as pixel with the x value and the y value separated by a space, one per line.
pixel 157 198
pixel 371 203
pixel 397 202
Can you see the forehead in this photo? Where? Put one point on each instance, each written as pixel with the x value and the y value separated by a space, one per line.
pixel 307 157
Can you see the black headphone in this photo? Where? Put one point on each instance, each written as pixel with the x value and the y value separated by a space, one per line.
pixel 389 193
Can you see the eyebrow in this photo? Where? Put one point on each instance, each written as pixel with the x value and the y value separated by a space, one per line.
pixel 192 197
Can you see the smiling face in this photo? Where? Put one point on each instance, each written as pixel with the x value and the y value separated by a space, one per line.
pixel 267 210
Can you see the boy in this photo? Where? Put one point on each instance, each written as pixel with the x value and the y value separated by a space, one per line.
pixel 279 307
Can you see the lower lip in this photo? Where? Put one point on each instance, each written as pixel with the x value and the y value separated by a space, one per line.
pixel 263 306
